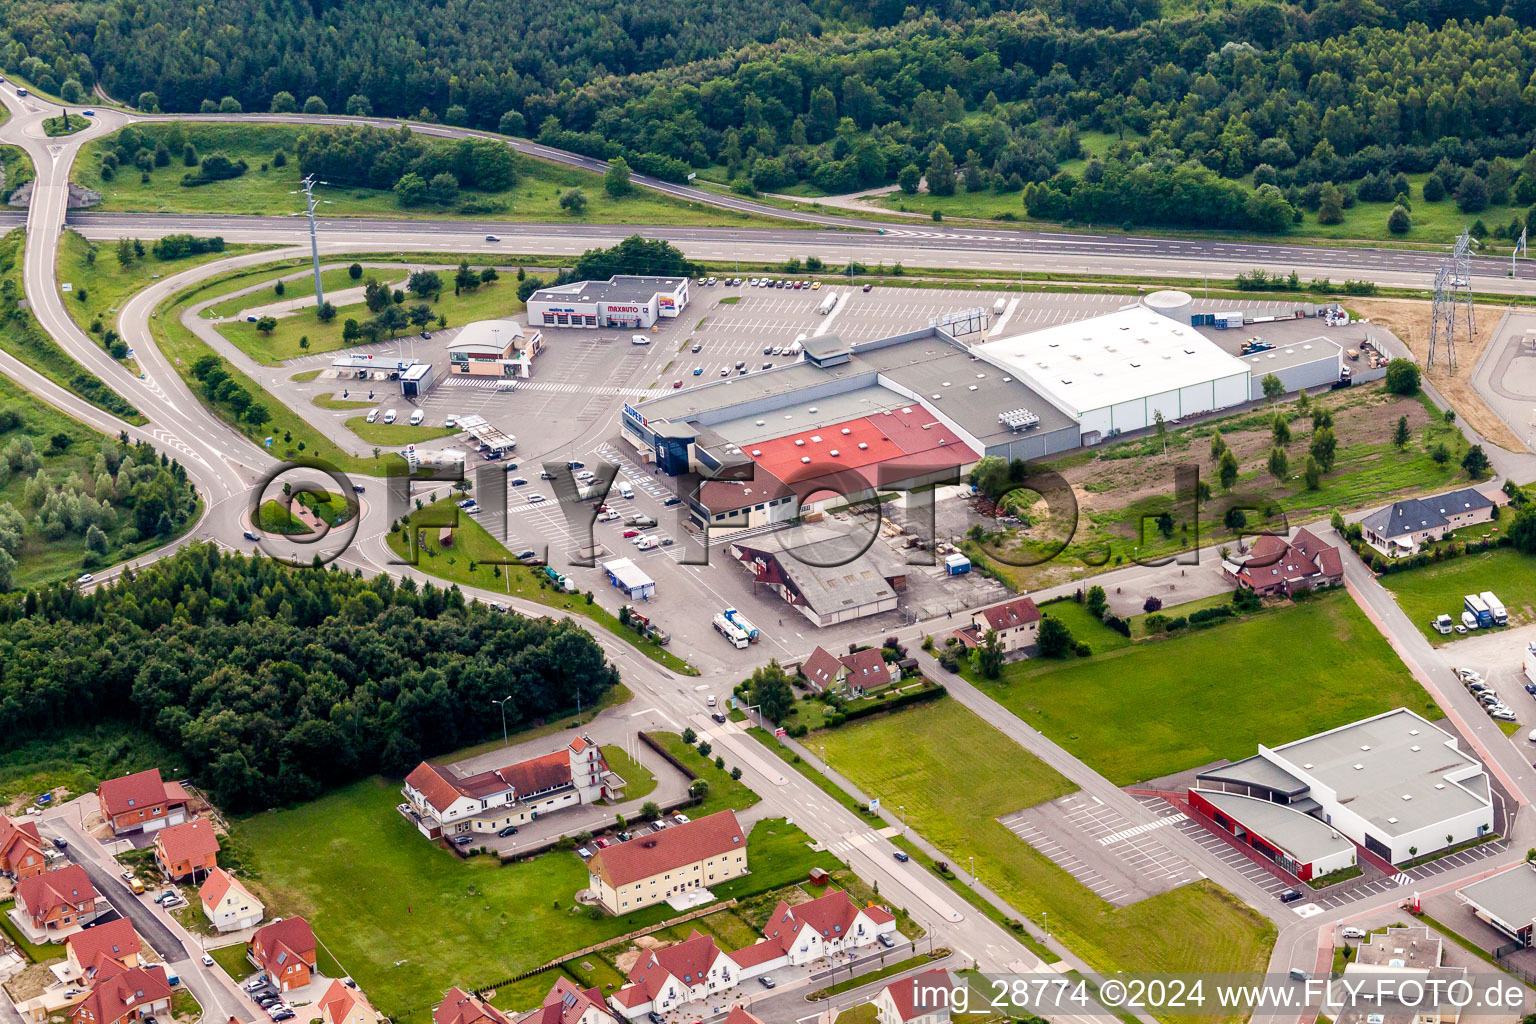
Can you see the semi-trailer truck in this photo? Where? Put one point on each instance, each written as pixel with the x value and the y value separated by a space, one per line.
pixel 732 632
pixel 740 622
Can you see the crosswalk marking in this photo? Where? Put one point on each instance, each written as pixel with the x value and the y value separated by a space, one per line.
pixel 1401 878
pixel 1115 837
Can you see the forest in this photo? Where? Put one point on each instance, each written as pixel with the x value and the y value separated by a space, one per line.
pixel 1312 98
pixel 279 683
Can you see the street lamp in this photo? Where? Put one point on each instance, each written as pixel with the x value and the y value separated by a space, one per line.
pixel 503 705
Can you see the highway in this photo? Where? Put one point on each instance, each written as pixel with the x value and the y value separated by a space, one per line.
pixel 224 465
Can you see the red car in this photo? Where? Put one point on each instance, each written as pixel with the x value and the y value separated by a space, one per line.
pixel 631 533
pixel 677 384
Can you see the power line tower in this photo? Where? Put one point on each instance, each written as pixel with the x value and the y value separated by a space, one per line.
pixel 307 189
pixel 1453 290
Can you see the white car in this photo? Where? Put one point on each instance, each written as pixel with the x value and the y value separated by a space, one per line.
pixel 535 498
pixel 389 415
pixel 207 960
pixel 85 577
pixel 373 414
pixel 451 421
pixel 1352 932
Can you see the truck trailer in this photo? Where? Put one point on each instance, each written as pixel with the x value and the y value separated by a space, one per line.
pixel 732 632
pixel 1479 610
pixel 740 622
pixel 1495 608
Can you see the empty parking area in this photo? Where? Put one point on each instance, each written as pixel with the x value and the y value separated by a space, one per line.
pixel 1119 861
pixel 1220 848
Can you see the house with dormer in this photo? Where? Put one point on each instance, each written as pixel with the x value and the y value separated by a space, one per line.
pixel 22 852
pixel 285 952
pixel 54 903
pixel 663 979
pixel 826 925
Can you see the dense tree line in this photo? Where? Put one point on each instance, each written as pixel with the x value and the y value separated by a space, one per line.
pixel 277 683
pixel 634 255
pixel 406 162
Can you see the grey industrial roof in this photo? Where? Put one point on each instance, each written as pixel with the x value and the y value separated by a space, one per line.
pixel 824 346
pixel 1303 836
pixel 1401 946
pixel 1283 357
pixel 1509 895
pixel 971 392
pixel 1256 771
pixel 1413 514
pixel 621 288
pixel 841 580
pixel 1394 770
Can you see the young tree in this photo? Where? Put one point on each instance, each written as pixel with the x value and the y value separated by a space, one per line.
pixel 1399 221
pixel 908 179
pixel 1226 470
pixel 1400 433
pixel 941 171
pixel 1160 427
pixel 1279 465
pixel 1336 520
pixel 355 271
pixel 1324 448
pixel 573 201
pixel 1273 387
pixel 1096 601
pixel 1475 462
pixel 1313 474
pixel 1218 445
pixel 1282 429
pixel 465 279
pixel 267 324
pixel 616 181
pixel 989 655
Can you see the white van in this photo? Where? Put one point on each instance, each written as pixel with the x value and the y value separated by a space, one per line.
pixel 625 490
pixel 417 417
pixel 999 306
pixel 373 414
pixel 647 542
pixel 389 416
pixel 639 339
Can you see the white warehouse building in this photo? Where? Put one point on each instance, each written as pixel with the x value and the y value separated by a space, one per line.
pixel 1116 372
pixel 624 301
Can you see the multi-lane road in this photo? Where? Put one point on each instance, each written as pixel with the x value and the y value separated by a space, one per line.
pixel 224 464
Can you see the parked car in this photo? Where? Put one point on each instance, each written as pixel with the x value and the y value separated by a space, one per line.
pixel 535 498
pixel 868 287
pixel 1502 714
pixel 1290 896
pixel 885 940
pixel 1353 932
pixel 510 830
pixel 672 501
pixel 768 351
pixel 902 856
pixel 698 371
pixel 677 384
pixel 518 481
pixel 681 819
pixel 629 534
pixel 602 844
pixel 207 960
pixel 463 840
pixel 766 981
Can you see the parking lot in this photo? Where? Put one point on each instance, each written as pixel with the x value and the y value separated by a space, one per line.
pixel 1120 862
pixel 1221 849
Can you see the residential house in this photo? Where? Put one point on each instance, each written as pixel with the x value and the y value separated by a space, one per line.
pixel 825 926
pixel 115 940
pixel 1403 527
pixel 22 851
pixel 58 901
pixel 442 803
pixel 861 672
pixel 921 999
pixel 285 952
pixel 123 994
pixel 142 802
pixel 343 1004
pixel 669 977
pixel 1276 567
pixel 650 869
pixel 227 904
pixel 1016 623
pixel 460 1007
pixel 189 850
pixel 568 1003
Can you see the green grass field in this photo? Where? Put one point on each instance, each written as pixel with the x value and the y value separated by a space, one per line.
pixel 488 302
pixel 1217 692
pixel 725 793
pixel 332 279
pixel 394 435
pixel 534 198
pixel 1084 627
pixel 930 760
pixel 1438 588
pixel 639 780
pixel 376 893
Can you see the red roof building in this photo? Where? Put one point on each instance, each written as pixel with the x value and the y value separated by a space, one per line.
pixel 142 801
pixel 188 850
pixel 460 1007
pixel 666 978
pixel 343 1004
pixel 921 999
pixel 1016 622
pixel 115 940
pixel 649 869
pixel 1277 567
pixel 124 994
pixel 58 900
pixel 285 951
pixel 568 1003
pixel 825 925
pixel 862 671
pixel 444 803
pixel 229 905
pixel 21 849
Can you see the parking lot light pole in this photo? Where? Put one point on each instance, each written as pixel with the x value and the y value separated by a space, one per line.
pixel 503 705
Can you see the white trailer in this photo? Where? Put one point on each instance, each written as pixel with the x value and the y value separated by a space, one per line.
pixel 732 632
pixel 1530 660
pixel 1496 607
pixel 828 303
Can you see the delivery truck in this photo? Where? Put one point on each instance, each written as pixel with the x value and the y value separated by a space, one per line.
pixel 1479 610
pixel 1495 608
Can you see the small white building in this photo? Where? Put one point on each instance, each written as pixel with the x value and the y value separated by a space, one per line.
pixel 494 348
pixel 624 574
pixel 624 301
pixel 228 905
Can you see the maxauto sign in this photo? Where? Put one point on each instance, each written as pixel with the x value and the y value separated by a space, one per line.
pixel 623 309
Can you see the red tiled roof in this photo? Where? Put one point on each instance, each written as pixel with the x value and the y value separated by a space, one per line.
pixel 821 667
pixel 117 992
pixel 18 833
pixel 831 916
pixel 903 992
pixel 1272 560
pixel 136 792
pixel 907 431
pixel 68 886
pixel 459 1007
pixel 217 884
pixel 190 841
pixel 759 953
pixel 688 961
pixel 567 1002
pixel 866 667
pixel 436 783
pixel 340 1000
pixel 675 847
pixel 1010 614
pixel 115 939
pixel 291 935
pixel 538 773
pixel 738 1015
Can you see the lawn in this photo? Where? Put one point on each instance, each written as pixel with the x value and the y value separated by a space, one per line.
pixel 479 560
pixel 638 778
pixel 394 435
pixel 408 919
pixel 68 124
pixel 822 783
pixel 1084 626
pixel 39 954
pixel 1438 588
pixel 18 169
pixel 274 517
pixel 332 279
pixel 490 301
pixel 233 960
pixel 1218 692
pixel 266 189
pixel 927 759
pixel 725 793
